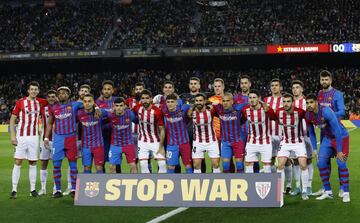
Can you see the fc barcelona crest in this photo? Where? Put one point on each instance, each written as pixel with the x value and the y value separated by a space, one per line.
pixel 263 189
pixel 69 108
pixel 92 189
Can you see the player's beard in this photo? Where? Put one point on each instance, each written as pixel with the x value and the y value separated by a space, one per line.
pixel 199 107
pixel 325 86
pixel 146 105
pixel 137 96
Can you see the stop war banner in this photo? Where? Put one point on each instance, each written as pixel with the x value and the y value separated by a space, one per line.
pixel 179 190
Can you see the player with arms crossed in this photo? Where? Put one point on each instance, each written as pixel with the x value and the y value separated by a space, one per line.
pixel 26 140
pixel 291 120
pixel 335 142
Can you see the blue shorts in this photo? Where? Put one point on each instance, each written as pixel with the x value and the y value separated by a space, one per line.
pixel 236 149
pixel 174 151
pixel 65 146
pixel 115 154
pixel 88 154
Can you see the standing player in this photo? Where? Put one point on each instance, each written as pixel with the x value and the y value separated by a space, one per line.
pixel 45 154
pixel 297 88
pixel 231 141
pixel 92 143
pixel 291 120
pixel 259 117
pixel 189 98
pixel 105 102
pixel 275 102
pixel 26 140
pixel 63 116
pixel 121 136
pixel 175 117
pixel 83 90
pixel 334 99
pixel 203 135
pixel 335 141
pixel 151 133
pixel 242 98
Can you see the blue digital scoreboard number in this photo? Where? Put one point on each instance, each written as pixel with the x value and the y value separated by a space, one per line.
pixel 346 48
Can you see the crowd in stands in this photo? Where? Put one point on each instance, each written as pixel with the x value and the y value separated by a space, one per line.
pixel 347 80
pixel 94 24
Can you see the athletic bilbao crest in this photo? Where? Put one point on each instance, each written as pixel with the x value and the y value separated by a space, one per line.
pixel 92 189
pixel 262 189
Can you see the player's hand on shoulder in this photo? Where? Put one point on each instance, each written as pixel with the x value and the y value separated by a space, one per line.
pixel 97 113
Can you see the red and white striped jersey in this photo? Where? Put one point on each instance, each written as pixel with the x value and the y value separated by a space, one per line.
pixel 259 124
pixel 275 104
pixel 28 112
pixel 45 120
pixel 301 103
pixel 292 125
pixel 203 126
pixel 131 103
pixel 149 122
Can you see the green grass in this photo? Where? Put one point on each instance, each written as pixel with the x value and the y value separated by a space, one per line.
pixel 27 209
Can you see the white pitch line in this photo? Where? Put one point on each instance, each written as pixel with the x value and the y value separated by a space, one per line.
pixel 167 215
pixel 179 210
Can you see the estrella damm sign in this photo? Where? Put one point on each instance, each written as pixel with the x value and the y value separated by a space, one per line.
pixel 179 190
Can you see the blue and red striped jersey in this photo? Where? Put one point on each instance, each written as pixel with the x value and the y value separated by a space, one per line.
pixel 107 106
pixel 91 129
pixel 65 116
pixel 333 99
pixel 230 122
pixel 241 99
pixel 121 133
pixel 175 125
pixel 330 126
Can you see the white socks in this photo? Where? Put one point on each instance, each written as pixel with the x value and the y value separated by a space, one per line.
pixel 304 179
pixel 249 169
pixel 32 177
pixel 43 179
pixel 197 170
pixel 144 166
pixel 15 177
pixel 311 173
pixel 162 166
pixel 267 169
pixel 215 170
pixel 297 173
pixel 288 175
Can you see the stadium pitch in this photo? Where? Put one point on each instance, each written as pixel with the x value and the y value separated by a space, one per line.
pixel 47 209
